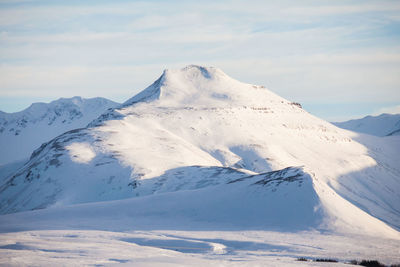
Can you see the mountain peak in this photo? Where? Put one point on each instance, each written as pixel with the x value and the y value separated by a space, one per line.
pixel 196 85
pixel 197 72
pixel 198 129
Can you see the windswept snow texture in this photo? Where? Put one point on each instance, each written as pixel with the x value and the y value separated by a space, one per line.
pixel 24 131
pixel 382 125
pixel 199 149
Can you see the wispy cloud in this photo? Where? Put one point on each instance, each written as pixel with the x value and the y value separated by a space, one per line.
pixel 340 9
pixel 389 110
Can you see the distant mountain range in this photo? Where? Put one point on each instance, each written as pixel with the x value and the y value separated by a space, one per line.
pixel 382 125
pixel 22 132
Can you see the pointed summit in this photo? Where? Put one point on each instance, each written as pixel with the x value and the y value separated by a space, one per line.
pixel 196 85
pixel 193 71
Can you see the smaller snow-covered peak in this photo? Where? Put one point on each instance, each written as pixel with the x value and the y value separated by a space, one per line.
pixel 382 125
pixel 76 100
pixel 41 122
pixel 39 110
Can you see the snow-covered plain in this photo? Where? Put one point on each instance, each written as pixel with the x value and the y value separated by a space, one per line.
pixel 189 248
pixel 202 169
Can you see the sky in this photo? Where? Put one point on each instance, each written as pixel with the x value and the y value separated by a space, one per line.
pixel 339 59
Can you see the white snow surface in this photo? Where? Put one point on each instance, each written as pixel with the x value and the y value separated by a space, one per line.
pixel 189 248
pixel 200 168
pixel 22 132
pixel 382 125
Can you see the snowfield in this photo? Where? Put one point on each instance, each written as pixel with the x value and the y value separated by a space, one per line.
pixel 200 169
pixel 189 248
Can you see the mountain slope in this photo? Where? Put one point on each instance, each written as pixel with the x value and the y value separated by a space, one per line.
pixel 195 131
pixel 24 131
pixel 286 200
pixel 382 125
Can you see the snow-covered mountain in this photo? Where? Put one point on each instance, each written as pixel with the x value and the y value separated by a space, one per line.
pixel 198 146
pixel 382 125
pixel 22 132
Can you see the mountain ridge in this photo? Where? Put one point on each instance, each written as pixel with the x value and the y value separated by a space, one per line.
pixel 382 125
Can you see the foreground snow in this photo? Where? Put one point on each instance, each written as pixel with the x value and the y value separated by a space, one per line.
pixel 256 221
pixel 189 248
